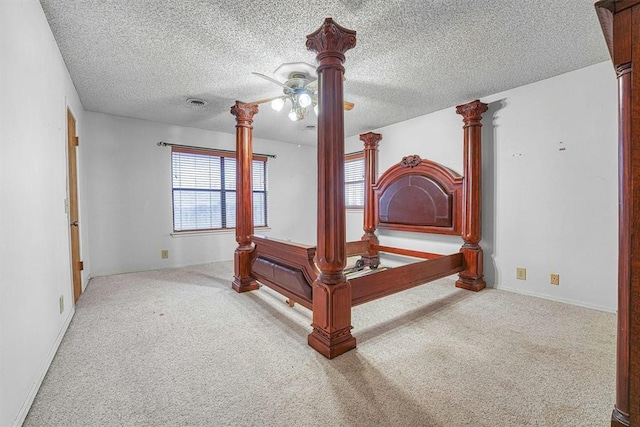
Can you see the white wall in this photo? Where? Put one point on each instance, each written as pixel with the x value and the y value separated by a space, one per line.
pixel 549 184
pixel 129 194
pixel 34 249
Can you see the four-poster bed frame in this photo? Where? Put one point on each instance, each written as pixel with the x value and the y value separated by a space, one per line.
pixel 414 195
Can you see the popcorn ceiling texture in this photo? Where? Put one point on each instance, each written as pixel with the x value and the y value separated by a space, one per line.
pixel 144 58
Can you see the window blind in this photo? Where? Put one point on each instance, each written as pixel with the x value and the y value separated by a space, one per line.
pixel 204 189
pixel 354 180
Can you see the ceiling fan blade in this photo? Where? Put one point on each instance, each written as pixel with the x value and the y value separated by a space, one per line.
pixel 314 84
pixel 272 80
pixel 348 106
pixel 262 101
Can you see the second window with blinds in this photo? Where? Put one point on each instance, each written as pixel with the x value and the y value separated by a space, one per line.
pixel 204 189
pixel 354 180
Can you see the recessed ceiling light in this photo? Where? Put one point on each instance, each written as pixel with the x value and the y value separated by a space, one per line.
pixel 197 102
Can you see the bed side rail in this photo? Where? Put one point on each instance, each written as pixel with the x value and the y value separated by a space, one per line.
pixel 388 282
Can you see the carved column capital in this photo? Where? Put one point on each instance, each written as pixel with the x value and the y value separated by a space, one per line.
pixel 331 39
pixel 370 140
pixel 471 112
pixel 244 112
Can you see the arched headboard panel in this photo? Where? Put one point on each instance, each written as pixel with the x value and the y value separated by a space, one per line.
pixel 419 195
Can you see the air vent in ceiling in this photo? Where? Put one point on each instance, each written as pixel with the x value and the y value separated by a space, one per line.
pixel 196 102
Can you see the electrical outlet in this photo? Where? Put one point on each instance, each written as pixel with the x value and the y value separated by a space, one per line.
pixel 555 279
pixel 164 253
pixel 521 273
pixel 61 304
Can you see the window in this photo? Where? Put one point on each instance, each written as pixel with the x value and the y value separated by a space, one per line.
pixel 354 180
pixel 204 189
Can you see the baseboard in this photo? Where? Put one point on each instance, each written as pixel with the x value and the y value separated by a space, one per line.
pixel 562 300
pixel 160 268
pixel 43 372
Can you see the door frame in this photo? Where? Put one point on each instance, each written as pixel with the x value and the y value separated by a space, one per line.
pixel 72 205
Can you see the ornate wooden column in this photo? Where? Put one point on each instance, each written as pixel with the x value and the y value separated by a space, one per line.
pixel 242 281
pixel 331 334
pixel 472 277
pixel 371 140
pixel 620 21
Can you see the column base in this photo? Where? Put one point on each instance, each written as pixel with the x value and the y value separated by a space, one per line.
pixel 244 284
pixel 471 278
pixel 331 334
pixel 242 280
pixel 618 419
pixel 331 345
pixel 471 284
pixel 372 258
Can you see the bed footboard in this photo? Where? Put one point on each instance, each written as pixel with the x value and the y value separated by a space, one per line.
pixel 285 267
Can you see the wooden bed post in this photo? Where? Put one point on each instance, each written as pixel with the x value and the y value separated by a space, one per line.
pixel 331 334
pixel 620 21
pixel 471 277
pixel 371 140
pixel 242 280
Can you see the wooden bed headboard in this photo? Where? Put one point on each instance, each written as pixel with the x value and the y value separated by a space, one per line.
pixel 419 195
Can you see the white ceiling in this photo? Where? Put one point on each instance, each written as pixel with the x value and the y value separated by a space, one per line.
pixel 144 58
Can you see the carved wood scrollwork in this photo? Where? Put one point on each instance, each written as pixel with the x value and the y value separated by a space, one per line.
pixel 410 161
pixel 331 38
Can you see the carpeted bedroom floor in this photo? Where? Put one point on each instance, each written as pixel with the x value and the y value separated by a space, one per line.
pixel 179 347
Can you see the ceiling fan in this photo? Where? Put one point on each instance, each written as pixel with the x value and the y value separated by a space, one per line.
pixel 300 88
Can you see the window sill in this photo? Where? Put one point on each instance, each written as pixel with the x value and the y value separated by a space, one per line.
pixel 214 232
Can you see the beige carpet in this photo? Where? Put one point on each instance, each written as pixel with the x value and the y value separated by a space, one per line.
pixel 180 348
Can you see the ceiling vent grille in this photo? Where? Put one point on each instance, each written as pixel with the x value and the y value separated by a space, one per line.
pixel 196 102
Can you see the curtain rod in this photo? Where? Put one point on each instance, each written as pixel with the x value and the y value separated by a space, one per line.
pixel 168 144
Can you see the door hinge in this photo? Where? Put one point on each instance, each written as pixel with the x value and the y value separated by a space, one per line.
pixel 80 265
pixel 77 141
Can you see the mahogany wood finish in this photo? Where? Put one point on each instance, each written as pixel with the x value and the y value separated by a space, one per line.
pixel 314 277
pixel 360 247
pixel 620 22
pixel 472 276
pixel 371 141
pixel 286 267
pixel 242 280
pixel 388 282
pixel 419 195
pixel 407 252
pixel 331 334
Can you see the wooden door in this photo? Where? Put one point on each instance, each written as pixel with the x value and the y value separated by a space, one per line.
pixel 76 264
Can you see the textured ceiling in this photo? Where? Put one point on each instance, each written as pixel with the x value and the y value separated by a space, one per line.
pixel 144 58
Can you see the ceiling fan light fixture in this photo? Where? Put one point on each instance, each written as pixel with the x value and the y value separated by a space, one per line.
pixel 277 104
pixel 304 100
pixel 300 88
